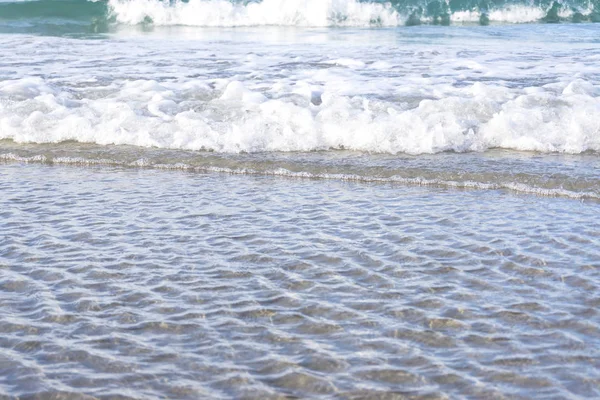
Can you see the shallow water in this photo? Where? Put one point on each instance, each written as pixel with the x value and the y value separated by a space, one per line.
pixel 299 199
pixel 141 283
pixel 574 176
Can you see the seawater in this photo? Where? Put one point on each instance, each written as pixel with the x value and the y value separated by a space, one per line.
pixel 128 283
pixel 309 199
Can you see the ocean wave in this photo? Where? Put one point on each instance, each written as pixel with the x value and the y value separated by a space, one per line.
pixel 300 13
pixel 326 13
pixel 221 13
pixel 225 116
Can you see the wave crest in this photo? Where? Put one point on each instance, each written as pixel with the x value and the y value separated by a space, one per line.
pixel 223 13
pixel 327 13
pixel 301 13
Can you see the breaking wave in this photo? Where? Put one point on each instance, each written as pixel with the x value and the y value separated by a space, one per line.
pixel 304 13
pixel 230 118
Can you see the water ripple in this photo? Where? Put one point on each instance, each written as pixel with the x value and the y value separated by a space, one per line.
pixel 125 283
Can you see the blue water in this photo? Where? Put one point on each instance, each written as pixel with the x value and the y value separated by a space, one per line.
pixel 313 199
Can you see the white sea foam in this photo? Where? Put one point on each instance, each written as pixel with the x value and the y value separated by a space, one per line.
pixel 515 14
pixel 512 14
pixel 232 118
pixel 267 12
pixel 379 91
pixel 309 13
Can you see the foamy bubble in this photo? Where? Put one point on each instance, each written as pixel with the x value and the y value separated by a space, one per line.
pixel 317 13
pixel 511 14
pixel 306 13
pixel 232 118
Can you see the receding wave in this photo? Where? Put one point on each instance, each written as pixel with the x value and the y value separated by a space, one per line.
pixel 305 13
pixel 516 173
